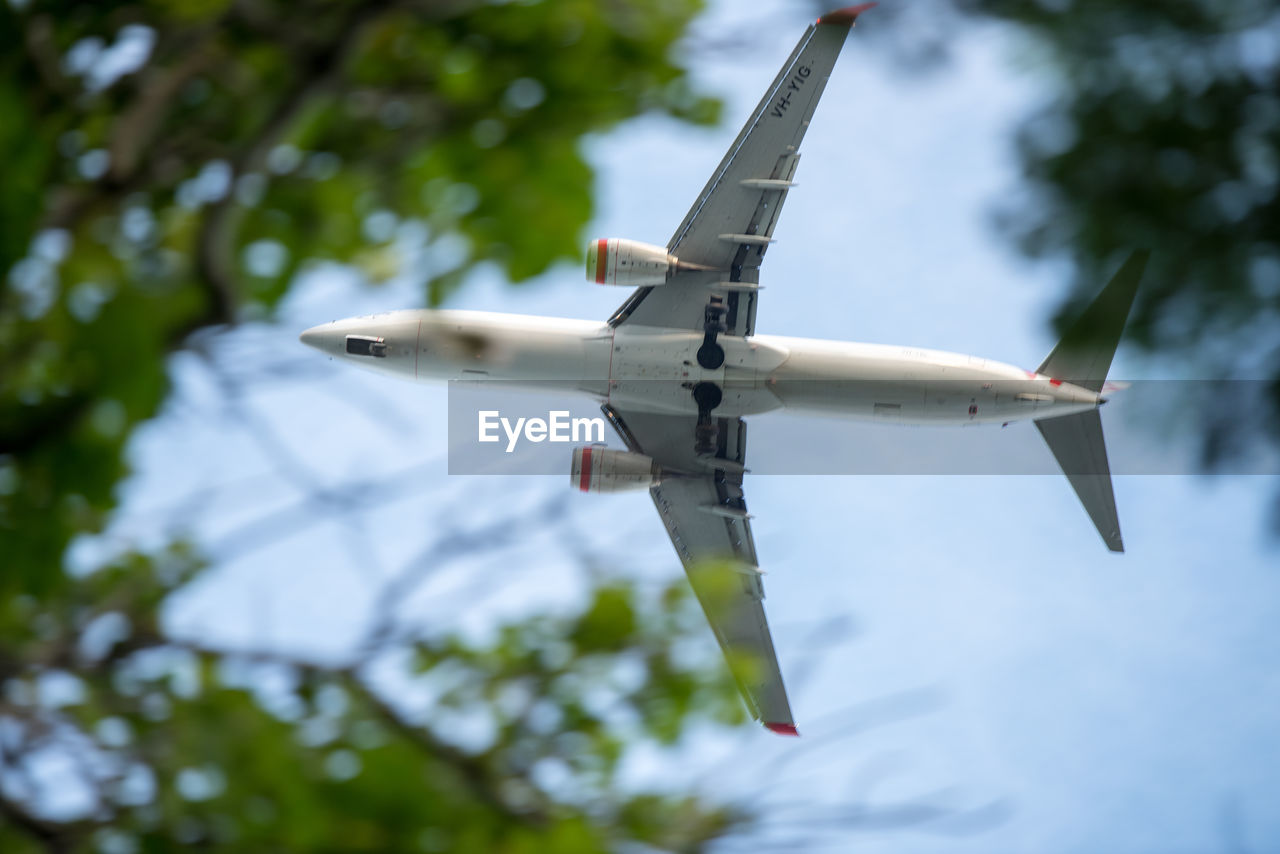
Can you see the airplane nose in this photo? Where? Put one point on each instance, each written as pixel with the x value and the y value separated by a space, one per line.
pixel 323 338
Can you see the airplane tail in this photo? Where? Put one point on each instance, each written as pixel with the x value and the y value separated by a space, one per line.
pixel 1082 358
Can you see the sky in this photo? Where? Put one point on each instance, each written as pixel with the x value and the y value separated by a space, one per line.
pixel 970 669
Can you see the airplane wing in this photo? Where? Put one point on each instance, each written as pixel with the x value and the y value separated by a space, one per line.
pixel 706 517
pixel 731 223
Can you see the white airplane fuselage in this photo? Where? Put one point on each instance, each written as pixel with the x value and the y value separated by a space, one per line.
pixel 678 364
pixel 652 368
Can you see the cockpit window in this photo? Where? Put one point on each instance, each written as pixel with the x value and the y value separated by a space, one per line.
pixel 365 345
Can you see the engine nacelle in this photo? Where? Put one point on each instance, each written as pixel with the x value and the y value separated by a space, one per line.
pixel 631 264
pixel 596 468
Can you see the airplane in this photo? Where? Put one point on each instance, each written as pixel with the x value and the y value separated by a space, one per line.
pixel 678 367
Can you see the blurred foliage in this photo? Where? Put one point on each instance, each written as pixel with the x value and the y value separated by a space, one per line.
pixel 1160 130
pixel 166 744
pixel 170 167
pixel 1164 133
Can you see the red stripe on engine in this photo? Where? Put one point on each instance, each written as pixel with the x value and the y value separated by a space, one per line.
pixel 584 477
pixel 602 258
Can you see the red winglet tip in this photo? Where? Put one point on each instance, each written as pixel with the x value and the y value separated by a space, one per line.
pixel 781 729
pixel 845 16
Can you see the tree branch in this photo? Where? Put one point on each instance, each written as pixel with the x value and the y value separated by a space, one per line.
pixel 38 39
pixel 55 837
pixel 134 131
pixel 318 71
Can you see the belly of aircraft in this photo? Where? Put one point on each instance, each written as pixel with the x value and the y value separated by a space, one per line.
pixel 654 369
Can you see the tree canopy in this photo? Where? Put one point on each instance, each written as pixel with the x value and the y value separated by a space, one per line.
pixel 1162 133
pixel 171 167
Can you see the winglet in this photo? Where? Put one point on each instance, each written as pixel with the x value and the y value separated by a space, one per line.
pixel 781 729
pixel 845 16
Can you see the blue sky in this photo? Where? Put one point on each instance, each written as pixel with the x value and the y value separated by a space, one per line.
pixel 1082 701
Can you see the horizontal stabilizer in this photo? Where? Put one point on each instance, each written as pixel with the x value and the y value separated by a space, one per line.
pixel 1078 446
pixel 1083 356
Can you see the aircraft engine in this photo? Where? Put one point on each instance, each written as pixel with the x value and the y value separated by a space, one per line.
pixel 632 264
pixel 596 468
